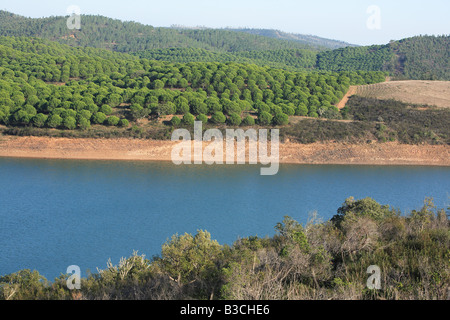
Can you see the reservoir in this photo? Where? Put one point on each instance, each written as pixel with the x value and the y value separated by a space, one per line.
pixel 57 213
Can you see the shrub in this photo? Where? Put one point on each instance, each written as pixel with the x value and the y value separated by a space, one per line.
pixel 54 121
pixel 203 118
pixel 248 121
pixel 39 120
pixel 175 121
pixel 84 123
pixel 234 119
pixel 98 118
pixel 366 207
pixel 218 118
pixel 70 123
pixel 188 119
pixel 113 121
pixel 281 119
pixel 124 123
pixel 106 109
pixel 265 118
pixel 301 110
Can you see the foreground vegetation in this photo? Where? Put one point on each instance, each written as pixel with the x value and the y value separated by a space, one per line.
pixel 320 260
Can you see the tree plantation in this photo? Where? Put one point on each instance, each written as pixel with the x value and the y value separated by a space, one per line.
pixel 45 84
pixel 421 57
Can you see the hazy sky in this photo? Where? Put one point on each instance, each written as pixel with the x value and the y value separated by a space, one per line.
pixel 341 20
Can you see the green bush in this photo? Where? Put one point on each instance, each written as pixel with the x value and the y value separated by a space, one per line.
pixel 318 260
pixel 218 118
pixel 54 121
pixel 248 121
pixel 175 121
pixel 106 109
pixel 203 118
pixel 70 123
pixel 84 123
pixel 281 119
pixel 39 120
pixel 265 118
pixel 98 118
pixel 188 119
pixel 124 123
pixel 112 121
pixel 234 119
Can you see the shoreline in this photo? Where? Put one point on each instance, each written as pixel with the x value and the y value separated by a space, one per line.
pixel 321 153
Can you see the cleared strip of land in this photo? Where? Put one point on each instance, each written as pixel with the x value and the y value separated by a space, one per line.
pixel 351 91
pixel 433 93
pixel 391 153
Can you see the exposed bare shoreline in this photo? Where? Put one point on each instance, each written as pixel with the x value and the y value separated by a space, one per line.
pixel 391 153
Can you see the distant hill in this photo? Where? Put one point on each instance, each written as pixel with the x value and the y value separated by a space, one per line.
pixel 417 58
pixel 107 33
pixel 301 38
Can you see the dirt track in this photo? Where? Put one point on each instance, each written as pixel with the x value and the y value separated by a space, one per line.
pixel 391 153
pixel 351 91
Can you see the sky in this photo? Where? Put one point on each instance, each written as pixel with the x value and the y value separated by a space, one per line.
pixel 361 22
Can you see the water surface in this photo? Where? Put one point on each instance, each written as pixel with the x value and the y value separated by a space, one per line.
pixel 56 213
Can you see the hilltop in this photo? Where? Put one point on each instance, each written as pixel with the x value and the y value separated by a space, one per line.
pixel 302 38
pixel 127 36
pixel 417 58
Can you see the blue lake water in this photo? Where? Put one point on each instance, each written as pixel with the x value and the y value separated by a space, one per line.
pixel 56 213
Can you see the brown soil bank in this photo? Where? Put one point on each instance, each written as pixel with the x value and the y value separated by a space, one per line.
pixel 390 153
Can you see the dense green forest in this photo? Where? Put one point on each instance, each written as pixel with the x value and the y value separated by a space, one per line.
pixel 107 33
pixel 47 84
pixel 318 260
pixel 357 58
pixel 302 38
pixel 421 57
pixel 417 58
pixel 288 59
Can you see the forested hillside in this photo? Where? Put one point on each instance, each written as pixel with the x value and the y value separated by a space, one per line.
pixel 352 59
pixel 107 33
pixel 288 59
pixel 417 58
pixel 47 84
pixel 302 38
pixel 422 57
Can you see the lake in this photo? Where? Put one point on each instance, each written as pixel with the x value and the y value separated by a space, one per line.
pixel 56 213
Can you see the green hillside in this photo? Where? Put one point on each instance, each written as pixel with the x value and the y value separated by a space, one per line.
pixel 302 38
pixel 289 59
pixel 44 84
pixel 422 57
pixel 417 58
pixel 107 33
